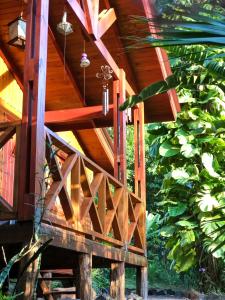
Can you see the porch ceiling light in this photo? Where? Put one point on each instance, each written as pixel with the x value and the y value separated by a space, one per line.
pixel 17 32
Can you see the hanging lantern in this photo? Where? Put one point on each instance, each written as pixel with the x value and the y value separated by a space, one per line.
pixel 17 32
pixel 64 27
pixel 84 62
pixel 105 75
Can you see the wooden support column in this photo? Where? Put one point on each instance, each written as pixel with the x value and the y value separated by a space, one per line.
pixel 120 164
pixel 139 165
pixel 32 146
pixel 119 124
pixel 117 283
pixel 85 266
pixel 140 191
pixel 142 282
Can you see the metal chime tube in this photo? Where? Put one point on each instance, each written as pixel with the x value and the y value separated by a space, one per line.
pixel 129 115
pixel 105 100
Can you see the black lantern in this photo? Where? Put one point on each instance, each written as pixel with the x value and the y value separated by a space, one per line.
pixel 17 32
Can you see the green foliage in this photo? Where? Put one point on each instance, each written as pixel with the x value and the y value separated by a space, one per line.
pixel 161 275
pixel 100 279
pixel 4 297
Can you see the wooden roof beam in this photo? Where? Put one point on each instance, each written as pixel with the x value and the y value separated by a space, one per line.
pixel 105 21
pixel 162 58
pixel 75 114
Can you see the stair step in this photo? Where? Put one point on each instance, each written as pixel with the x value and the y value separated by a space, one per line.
pixel 59 291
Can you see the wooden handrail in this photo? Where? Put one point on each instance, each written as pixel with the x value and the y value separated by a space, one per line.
pixel 93 202
pixel 96 207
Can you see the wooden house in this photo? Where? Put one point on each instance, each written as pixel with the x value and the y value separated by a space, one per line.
pixel 62 175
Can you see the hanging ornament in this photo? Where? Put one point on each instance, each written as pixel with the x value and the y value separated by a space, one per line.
pixel 64 27
pixel 105 74
pixel 129 115
pixel 84 62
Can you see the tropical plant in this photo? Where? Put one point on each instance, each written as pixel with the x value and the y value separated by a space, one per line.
pixel 189 153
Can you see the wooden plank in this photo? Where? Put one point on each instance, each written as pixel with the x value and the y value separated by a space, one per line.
pixel 76 193
pixel 105 21
pixel 91 14
pixel 79 243
pixel 74 115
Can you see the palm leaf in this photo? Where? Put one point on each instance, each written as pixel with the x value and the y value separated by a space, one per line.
pixel 150 91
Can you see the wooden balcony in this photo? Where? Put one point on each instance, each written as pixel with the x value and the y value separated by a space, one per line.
pixel 78 196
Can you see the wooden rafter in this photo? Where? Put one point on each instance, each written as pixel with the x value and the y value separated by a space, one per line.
pixel 70 117
pixel 105 21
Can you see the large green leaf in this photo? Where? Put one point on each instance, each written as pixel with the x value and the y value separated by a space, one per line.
pixel 177 210
pixel 167 149
pixel 156 88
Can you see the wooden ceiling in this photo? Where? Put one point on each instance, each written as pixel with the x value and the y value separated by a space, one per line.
pixel 65 82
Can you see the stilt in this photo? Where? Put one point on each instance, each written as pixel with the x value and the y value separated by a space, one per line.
pixel 142 282
pixel 117 284
pixel 85 266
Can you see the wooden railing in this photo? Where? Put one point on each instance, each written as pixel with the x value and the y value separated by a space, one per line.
pixel 82 197
pixel 92 201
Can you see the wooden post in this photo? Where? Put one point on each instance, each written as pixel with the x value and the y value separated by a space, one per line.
pixel 117 283
pixel 139 165
pixel 32 146
pixel 119 124
pixel 120 164
pixel 85 266
pixel 140 191
pixel 142 282
pixel 32 139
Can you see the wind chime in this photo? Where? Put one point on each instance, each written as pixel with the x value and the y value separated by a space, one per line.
pixel 84 63
pixel 105 74
pixel 65 28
